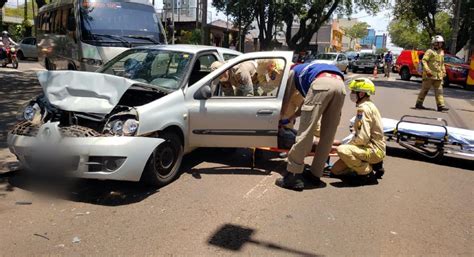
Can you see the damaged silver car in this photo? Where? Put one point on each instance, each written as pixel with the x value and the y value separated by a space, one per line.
pixel 136 118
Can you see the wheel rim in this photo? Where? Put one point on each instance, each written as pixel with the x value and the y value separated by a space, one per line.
pixel 165 159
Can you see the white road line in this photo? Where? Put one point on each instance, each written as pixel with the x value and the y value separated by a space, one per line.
pixel 259 184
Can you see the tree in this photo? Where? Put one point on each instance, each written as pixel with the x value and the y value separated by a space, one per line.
pixel 422 11
pixel 412 35
pixel 242 13
pixel 357 31
pixel 312 14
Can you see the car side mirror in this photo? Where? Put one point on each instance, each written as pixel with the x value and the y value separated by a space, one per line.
pixel 203 93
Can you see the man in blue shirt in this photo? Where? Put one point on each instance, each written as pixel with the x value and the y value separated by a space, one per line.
pixel 388 64
pixel 322 85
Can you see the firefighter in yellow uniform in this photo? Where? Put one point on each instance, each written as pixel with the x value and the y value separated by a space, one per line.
pixel 433 74
pixel 367 147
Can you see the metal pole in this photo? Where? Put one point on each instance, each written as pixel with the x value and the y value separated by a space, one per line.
pixel 172 21
pixel 34 20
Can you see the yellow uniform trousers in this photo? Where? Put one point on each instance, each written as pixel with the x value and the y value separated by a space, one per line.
pixel 359 158
pixel 426 85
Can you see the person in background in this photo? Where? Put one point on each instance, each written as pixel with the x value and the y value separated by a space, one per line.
pixel 433 74
pixel 5 42
pixel 367 147
pixel 388 64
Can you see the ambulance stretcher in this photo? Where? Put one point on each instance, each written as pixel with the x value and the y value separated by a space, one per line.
pixel 429 137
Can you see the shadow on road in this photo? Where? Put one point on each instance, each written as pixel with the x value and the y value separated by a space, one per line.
pixel 106 193
pixel 15 90
pixel 447 160
pixel 234 237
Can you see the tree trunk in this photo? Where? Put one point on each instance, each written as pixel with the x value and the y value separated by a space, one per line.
pixel 457 12
pixel 40 3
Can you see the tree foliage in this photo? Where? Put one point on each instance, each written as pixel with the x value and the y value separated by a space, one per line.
pixel 308 15
pixel 421 11
pixel 312 14
pixel 356 31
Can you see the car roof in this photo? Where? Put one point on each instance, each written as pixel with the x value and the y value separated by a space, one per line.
pixel 192 49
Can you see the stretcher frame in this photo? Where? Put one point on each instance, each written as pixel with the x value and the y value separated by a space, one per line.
pixel 429 147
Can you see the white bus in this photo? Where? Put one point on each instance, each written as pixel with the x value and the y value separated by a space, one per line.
pixel 84 34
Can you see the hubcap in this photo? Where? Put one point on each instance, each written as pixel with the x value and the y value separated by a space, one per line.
pixel 165 159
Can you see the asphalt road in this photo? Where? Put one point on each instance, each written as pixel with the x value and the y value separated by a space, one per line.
pixel 220 206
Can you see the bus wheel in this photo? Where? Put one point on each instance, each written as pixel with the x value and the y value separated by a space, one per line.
pixel 71 67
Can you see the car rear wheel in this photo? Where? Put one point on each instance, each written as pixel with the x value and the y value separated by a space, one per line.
pixel 163 165
pixel 20 55
pixel 354 69
pixel 405 74
pixel 446 81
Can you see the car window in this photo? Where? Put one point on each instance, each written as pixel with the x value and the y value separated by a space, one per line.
pixel 161 68
pixel 206 61
pixel 326 57
pixel 339 58
pixel 27 41
pixel 367 57
pixel 229 56
pixel 252 78
pixel 452 59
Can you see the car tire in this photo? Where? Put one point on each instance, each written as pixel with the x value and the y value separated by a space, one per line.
pixel 405 74
pixel 47 64
pixel 354 69
pixel 446 82
pixel 163 165
pixel 20 55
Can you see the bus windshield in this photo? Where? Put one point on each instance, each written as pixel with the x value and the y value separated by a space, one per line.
pixel 133 22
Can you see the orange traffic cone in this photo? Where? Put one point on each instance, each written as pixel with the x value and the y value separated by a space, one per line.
pixel 375 72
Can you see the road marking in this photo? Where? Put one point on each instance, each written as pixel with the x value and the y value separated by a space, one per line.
pixel 258 185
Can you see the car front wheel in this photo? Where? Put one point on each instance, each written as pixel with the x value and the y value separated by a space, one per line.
pixel 163 165
pixel 405 74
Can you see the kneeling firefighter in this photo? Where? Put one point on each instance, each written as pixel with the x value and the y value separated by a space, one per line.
pixel 367 147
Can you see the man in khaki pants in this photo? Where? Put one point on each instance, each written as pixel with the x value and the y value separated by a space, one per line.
pixel 433 74
pixel 324 91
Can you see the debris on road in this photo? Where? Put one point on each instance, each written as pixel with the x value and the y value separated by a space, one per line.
pixel 393 233
pixel 45 237
pixel 76 240
pixel 23 203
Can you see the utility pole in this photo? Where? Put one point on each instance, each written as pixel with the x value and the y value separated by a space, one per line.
pixel 204 32
pixel 25 18
pixel 454 38
pixel 241 49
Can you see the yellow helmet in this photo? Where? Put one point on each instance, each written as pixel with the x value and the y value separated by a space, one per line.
pixel 362 85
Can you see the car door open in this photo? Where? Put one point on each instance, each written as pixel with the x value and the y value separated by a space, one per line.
pixel 243 107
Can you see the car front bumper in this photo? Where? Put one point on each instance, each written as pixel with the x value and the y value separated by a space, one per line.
pixel 104 158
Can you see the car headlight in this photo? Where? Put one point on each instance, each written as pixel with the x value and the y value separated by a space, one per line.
pixel 130 127
pixel 121 128
pixel 32 113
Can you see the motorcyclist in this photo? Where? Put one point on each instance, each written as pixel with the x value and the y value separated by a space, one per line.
pixel 6 42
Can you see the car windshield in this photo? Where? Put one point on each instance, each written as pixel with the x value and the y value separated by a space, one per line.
pixel 124 21
pixel 330 57
pixel 162 68
pixel 453 59
pixel 367 57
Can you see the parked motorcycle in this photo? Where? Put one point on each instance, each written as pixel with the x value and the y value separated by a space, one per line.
pixel 11 58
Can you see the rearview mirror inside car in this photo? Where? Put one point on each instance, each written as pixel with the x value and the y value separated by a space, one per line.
pixel 203 93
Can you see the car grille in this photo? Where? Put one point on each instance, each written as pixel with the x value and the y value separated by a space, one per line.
pixel 26 128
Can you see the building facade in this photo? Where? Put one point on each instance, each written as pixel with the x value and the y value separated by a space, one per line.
pixel 381 41
pixel 346 41
pixel 368 41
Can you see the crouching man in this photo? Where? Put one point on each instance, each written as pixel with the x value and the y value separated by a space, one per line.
pixel 367 147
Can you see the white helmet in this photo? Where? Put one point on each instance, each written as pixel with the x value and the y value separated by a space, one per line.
pixel 437 39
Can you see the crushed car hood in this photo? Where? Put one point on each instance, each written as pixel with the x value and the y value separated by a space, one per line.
pixel 83 91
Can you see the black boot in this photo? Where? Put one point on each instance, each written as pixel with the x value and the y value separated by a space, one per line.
pixel 420 106
pixel 379 170
pixel 308 175
pixel 442 109
pixel 291 181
